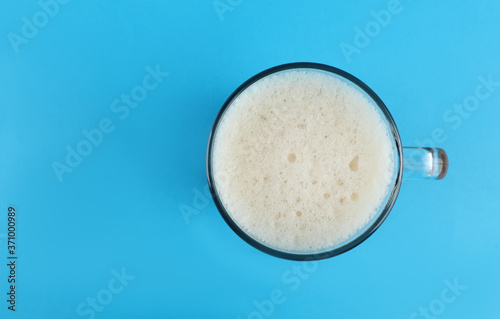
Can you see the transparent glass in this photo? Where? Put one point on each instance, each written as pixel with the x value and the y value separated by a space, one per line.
pixel 414 162
pixel 424 163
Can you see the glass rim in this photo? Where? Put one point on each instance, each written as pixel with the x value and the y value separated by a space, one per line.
pixel 391 197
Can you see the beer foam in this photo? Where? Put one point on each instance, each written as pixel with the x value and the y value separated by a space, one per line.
pixel 302 160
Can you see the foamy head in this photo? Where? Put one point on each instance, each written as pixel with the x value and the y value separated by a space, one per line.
pixel 302 160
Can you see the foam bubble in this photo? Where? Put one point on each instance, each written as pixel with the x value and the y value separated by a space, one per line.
pixel 302 160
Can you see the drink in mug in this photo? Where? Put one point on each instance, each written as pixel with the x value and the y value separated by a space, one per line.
pixel 300 161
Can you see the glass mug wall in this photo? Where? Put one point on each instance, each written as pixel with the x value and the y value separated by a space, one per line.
pixel 304 161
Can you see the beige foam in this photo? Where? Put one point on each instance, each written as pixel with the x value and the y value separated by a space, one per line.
pixel 302 160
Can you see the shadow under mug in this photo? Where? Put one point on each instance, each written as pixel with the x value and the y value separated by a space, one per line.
pixel 415 162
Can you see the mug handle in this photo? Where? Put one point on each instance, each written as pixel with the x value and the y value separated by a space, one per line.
pixel 424 163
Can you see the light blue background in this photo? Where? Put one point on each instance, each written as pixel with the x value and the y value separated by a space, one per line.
pixel 122 206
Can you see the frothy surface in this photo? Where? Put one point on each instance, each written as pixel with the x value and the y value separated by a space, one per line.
pixel 302 160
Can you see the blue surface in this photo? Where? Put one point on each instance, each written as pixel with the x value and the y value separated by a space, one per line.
pixel 121 207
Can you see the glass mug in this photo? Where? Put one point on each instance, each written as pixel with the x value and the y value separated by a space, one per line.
pixel 415 162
